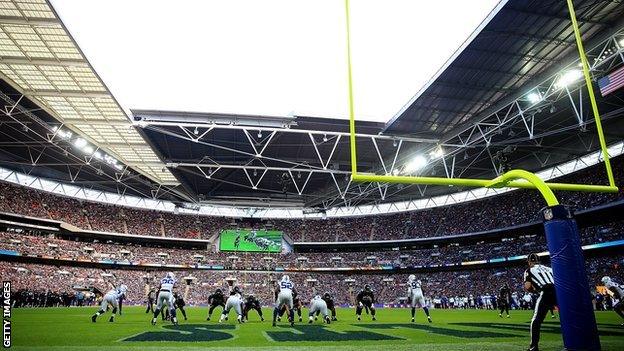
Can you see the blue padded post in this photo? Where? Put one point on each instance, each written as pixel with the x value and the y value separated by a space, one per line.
pixel 578 323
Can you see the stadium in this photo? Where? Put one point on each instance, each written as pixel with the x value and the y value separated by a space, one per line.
pixel 485 212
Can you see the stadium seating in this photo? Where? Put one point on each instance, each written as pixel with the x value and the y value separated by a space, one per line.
pixel 497 212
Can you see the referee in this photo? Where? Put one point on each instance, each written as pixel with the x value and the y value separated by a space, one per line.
pixel 539 278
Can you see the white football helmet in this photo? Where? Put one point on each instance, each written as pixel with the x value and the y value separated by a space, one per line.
pixel 605 280
pixel 170 275
pixel 123 289
pixel 285 278
pixel 411 278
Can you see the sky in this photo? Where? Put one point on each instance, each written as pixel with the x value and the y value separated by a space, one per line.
pixel 269 57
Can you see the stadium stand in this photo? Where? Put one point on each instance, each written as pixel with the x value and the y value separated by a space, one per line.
pixel 487 214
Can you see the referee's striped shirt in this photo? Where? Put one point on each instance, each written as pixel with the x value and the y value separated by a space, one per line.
pixel 539 276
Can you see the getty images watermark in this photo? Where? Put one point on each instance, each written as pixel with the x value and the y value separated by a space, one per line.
pixel 6 314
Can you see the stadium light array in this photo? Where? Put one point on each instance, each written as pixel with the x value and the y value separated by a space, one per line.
pixel 417 163
pixel 80 143
pixel 88 149
pixel 65 134
pixel 437 153
pixel 568 78
pixel 534 97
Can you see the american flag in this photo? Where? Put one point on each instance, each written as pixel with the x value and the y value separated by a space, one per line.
pixel 612 82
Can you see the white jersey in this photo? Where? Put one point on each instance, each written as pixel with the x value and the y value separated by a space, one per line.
pixel 616 289
pixel 317 304
pixel 115 293
pixel 286 285
pixel 414 288
pixel 167 283
pixel 415 294
pixel 234 301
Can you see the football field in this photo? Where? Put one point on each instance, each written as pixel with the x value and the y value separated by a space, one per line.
pixel 71 329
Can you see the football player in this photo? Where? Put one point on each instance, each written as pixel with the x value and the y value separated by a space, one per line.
pixel 618 292
pixel 415 296
pixel 178 301
pixel 165 297
pixel 504 300
pixel 252 303
pixel 111 298
pixel 296 305
pixel 329 300
pixel 365 299
pixel 151 295
pixel 214 300
pixel 285 290
pixel 318 305
pixel 235 301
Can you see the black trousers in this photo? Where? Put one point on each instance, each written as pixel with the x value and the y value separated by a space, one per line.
pixel 545 302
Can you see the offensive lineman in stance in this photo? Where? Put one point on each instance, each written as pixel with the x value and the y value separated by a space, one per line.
pixel 415 295
pixel 165 297
pixel 296 305
pixel 329 300
pixel 504 300
pixel 318 305
pixel 539 278
pixel 252 303
pixel 111 298
pixel 365 300
pixel 285 291
pixel 234 301
pixel 179 303
pixel 214 300
pixel 618 292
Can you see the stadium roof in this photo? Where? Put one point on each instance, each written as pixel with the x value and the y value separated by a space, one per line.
pixel 41 60
pixel 510 96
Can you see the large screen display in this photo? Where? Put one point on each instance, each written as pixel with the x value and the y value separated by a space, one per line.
pixel 250 240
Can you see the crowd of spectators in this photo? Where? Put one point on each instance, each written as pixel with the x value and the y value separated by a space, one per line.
pixel 449 289
pixel 48 245
pixel 505 210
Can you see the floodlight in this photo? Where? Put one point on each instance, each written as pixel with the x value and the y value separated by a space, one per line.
pixel 80 143
pixel 415 164
pixel 568 78
pixel 534 97
pixel 437 153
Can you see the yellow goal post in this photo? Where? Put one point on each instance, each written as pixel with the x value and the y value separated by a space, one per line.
pixel 513 179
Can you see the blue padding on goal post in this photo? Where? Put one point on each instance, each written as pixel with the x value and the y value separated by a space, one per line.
pixel 578 323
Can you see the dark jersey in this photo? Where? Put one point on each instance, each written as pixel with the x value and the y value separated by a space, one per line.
pixel 296 300
pixel 216 299
pixel 179 300
pixel 252 302
pixel 365 294
pixel 329 301
pixel 505 294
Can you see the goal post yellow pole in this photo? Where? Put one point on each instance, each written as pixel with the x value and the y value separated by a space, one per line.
pixel 507 180
pixel 590 91
pixel 350 82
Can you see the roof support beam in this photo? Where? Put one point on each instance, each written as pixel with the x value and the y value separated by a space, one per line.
pixel 10 60
pixel 66 93
pixel 30 21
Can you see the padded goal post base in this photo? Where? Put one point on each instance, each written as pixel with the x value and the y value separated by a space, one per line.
pixel 578 323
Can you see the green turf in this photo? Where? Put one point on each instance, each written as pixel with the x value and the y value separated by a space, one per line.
pixel 71 329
